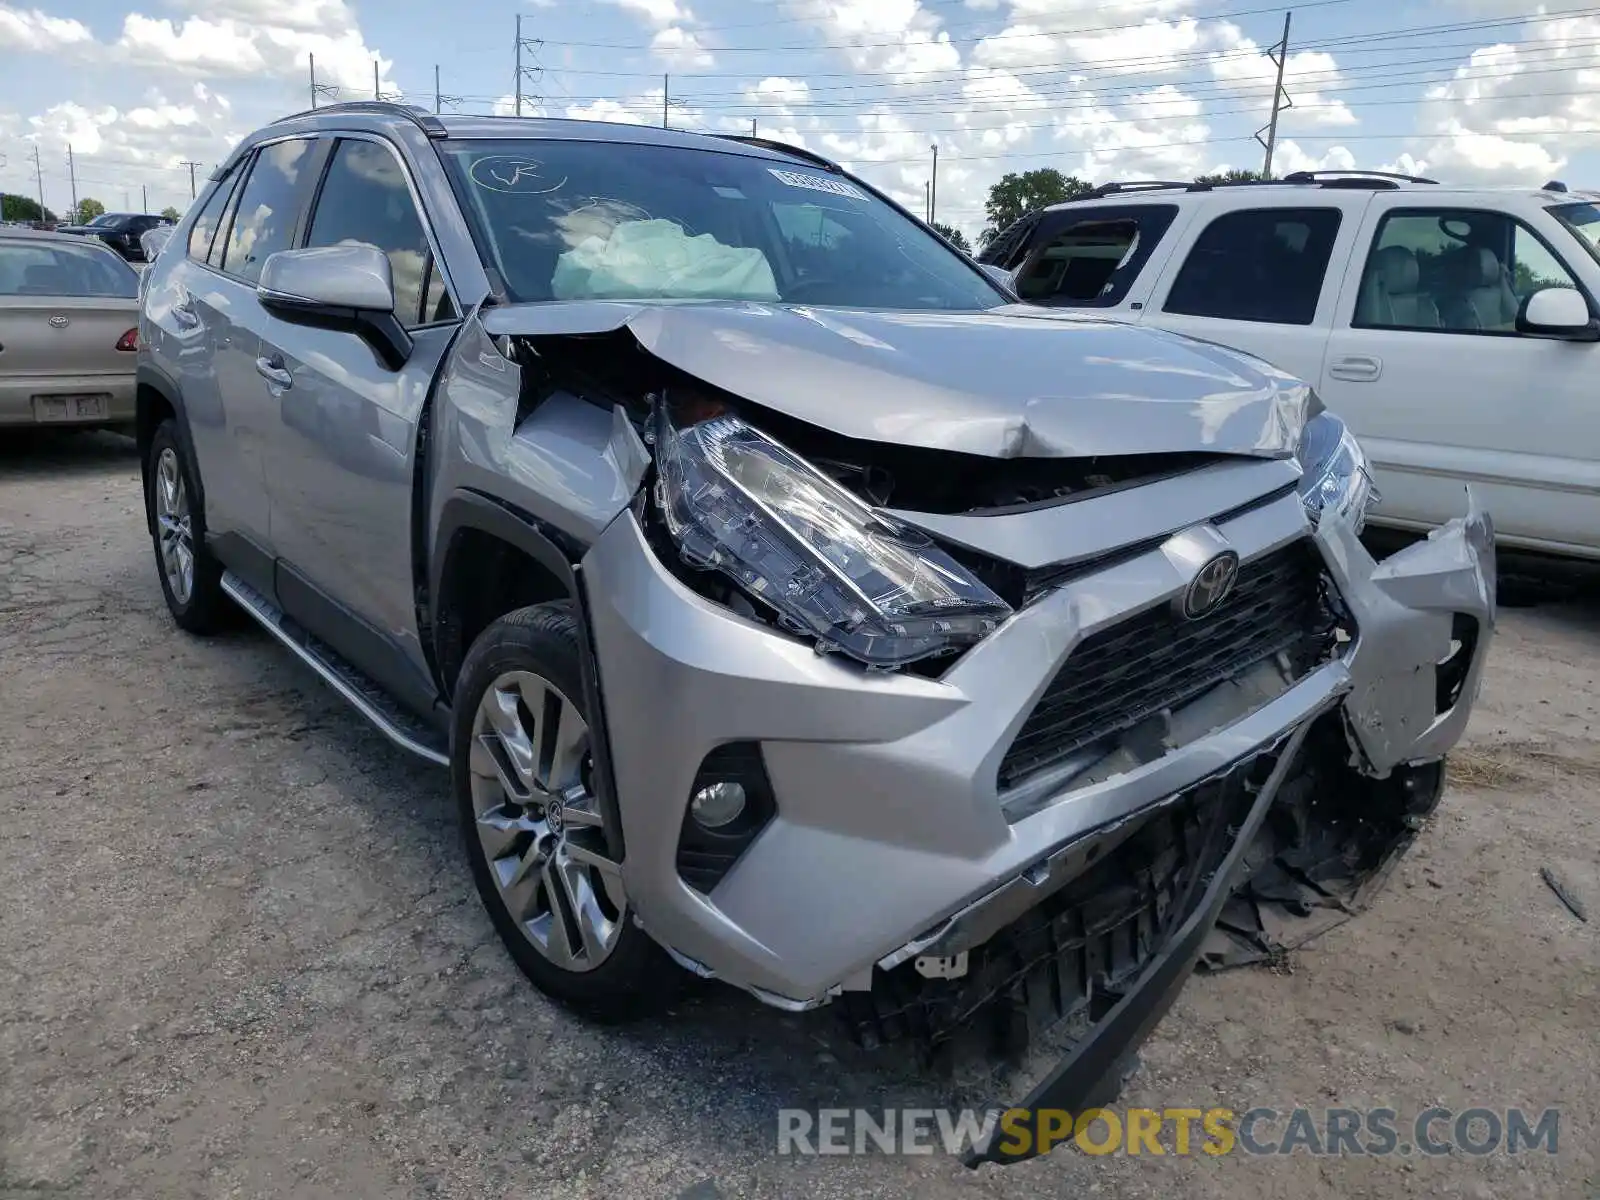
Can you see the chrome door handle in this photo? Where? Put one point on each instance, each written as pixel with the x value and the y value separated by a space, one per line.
pixel 1357 368
pixel 273 371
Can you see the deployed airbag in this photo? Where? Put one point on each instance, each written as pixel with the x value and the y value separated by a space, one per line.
pixel 658 260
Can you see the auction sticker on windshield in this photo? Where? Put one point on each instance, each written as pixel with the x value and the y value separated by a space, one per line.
pixel 817 183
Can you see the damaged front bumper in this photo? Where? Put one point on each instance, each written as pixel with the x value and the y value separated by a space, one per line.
pixel 884 827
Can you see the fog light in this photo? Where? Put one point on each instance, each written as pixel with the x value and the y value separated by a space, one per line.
pixel 718 805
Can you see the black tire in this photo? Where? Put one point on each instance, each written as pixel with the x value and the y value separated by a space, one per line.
pixel 637 977
pixel 206 609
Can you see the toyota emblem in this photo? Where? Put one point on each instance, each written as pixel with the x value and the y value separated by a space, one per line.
pixel 59 322
pixel 555 817
pixel 1211 585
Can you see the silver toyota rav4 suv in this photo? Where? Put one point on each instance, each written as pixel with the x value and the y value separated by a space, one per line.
pixel 790 605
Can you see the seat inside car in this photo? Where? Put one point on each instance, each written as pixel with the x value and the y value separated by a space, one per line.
pixel 1391 294
pixel 1487 293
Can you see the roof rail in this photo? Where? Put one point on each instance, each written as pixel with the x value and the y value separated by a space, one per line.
pixel 782 148
pixel 1134 185
pixel 420 117
pixel 1353 175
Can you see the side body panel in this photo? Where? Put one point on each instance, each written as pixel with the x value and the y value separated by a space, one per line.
pixel 1514 416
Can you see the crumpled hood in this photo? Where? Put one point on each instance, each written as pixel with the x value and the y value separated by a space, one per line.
pixel 1009 383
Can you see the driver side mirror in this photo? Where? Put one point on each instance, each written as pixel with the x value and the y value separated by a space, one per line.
pixel 1006 279
pixel 1558 312
pixel 348 288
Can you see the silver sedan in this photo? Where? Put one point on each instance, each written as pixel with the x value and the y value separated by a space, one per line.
pixel 69 327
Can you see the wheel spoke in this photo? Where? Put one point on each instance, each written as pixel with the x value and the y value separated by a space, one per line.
pixel 571 744
pixel 557 939
pixel 500 828
pixel 594 927
pixel 515 742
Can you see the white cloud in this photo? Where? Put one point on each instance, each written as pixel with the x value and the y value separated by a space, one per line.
pixel 656 12
pixel 679 48
pixel 901 38
pixel 39 33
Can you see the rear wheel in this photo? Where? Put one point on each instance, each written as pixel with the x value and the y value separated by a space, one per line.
pixel 191 580
pixel 524 781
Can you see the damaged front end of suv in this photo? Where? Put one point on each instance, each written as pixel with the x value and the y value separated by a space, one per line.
pixel 974 715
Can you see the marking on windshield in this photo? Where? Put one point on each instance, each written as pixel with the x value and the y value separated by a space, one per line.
pixel 513 175
pixel 816 183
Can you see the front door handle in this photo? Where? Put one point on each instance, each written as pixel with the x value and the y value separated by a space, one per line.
pixel 273 371
pixel 1357 368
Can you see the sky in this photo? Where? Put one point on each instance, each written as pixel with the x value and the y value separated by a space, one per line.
pixel 1464 91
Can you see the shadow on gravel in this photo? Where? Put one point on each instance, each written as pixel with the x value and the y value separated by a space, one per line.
pixel 62 454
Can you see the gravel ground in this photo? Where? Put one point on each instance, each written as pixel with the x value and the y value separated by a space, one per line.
pixel 240 955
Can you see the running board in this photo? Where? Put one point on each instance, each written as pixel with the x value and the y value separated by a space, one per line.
pixel 368 699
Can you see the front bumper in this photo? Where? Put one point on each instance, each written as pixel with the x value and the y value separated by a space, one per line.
pixel 889 830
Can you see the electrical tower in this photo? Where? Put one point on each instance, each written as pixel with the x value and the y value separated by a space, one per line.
pixel 528 71
pixel 1280 98
pixel 320 90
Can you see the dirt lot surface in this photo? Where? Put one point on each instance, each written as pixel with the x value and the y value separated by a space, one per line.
pixel 240 955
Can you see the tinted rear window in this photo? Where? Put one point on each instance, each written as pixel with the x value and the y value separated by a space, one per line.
pixel 30 269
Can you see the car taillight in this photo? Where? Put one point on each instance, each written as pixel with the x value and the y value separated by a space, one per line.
pixel 129 340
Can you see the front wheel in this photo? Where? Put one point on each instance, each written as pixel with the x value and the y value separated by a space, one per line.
pixel 523 778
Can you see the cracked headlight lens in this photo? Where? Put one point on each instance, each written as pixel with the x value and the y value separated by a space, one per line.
pixel 741 503
pixel 1335 478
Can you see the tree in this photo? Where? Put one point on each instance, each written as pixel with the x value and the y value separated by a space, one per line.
pixel 23 208
pixel 88 209
pixel 171 213
pixel 1016 195
pixel 954 236
pixel 1234 176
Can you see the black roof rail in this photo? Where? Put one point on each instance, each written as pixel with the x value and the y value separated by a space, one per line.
pixel 1134 185
pixel 420 117
pixel 782 148
pixel 1336 177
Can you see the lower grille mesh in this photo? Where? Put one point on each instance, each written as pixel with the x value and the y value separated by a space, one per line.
pixel 1158 659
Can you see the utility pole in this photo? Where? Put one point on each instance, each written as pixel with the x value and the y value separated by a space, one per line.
pixel 666 90
pixel 72 174
pixel 933 186
pixel 38 176
pixel 435 87
pixel 532 46
pixel 927 201
pixel 1280 98
pixel 313 59
pixel 144 198
pixel 191 166
pixel 376 93
pixel 753 127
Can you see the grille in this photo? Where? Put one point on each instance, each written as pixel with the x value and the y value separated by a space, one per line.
pixel 1158 659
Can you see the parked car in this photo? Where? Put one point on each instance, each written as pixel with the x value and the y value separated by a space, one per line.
pixel 68 331
pixel 1421 313
pixel 789 606
pixel 123 232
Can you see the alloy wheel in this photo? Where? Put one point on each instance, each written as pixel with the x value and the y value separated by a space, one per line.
pixel 537 822
pixel 174 525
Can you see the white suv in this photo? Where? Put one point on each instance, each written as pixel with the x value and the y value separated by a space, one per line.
pixel 1453 329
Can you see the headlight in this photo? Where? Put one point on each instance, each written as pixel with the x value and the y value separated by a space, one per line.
pixel 1334 476
pixel 738 502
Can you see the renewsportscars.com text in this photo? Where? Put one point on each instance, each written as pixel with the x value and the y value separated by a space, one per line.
pixel 1177 1131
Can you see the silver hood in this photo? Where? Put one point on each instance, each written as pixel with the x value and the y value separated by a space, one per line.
pixel 1014 382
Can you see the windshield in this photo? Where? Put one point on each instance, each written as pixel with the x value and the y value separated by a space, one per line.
pixel 583 220
pixel 1583 220
pixel 30 269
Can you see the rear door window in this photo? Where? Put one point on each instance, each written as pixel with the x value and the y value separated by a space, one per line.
pixel 1257 264
pixel 1093 256
pixel 205 225
pixel 269 207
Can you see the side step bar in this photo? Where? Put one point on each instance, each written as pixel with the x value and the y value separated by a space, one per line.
pixel 368 699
